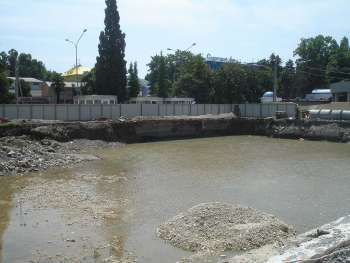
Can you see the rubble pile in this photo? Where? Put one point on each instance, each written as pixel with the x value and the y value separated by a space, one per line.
pixel 22 154
pixel 218 227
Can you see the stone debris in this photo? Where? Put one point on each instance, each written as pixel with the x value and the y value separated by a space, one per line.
pixel 216 227
pixel 21 154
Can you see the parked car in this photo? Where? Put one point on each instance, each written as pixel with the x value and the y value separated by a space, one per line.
pixel 268 97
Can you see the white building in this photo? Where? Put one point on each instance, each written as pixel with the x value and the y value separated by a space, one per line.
pixel 96 99
pixel 319 95
pixel 341 91
pixel 158 100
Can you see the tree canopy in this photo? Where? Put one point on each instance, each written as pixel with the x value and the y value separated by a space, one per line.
pixel 111 65
pixel 133 81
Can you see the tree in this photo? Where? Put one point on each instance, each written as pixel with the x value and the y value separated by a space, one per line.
pixel 163 84
pixel 230 84
pixel 194 79
pixel 89 83
pixel 133 81
pixel 58 85
pixel 287 81
pixel 314 55
pixel 5 95
pixel 25 89
pixel 111 65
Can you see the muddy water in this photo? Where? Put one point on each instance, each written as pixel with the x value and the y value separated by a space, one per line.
pixel 110 209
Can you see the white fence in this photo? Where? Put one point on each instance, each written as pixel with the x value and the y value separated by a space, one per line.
pixel 72 112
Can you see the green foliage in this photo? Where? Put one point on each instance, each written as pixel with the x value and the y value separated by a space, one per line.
pixel 287 81
pixel 230 84
pixel 133 81
pixel 5 95
pixel 314 56
pixel 58 85
pixel 25 89
pixel 111 65
pixel 27 66
pixel 194 79
pixel 89 80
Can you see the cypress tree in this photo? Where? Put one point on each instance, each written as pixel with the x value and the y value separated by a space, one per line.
pixel 133 81
pixel 111 65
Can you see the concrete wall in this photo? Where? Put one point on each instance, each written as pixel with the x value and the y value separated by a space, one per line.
pixel 69 112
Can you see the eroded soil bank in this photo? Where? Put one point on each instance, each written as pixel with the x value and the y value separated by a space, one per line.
pixel 155 129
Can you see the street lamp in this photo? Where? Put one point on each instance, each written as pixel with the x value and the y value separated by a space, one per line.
pixel 76 44
pixel 170 49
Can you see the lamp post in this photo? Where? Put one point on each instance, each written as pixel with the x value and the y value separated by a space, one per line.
pixel 76 45
pixel 170 49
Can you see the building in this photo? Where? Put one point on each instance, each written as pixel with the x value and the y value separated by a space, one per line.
pixel 341 91
pixel 158 100
pixel 216 63
pixel 67 94
pixel 95 99
pixel 319 95
pixel 38 90
pixel 76 74
pixel 36 86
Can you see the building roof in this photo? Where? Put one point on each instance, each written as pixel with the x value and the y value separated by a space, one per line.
pixel 339 87
pixel 73 71
pixel 321 91
pixel 67 84
pixel 96 97
pixel 31 80
pixel 150 98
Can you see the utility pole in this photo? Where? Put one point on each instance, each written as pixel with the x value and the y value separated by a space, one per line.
pixel 17 81
pixel 275 81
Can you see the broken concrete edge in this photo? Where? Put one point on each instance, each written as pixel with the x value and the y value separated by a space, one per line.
pixel 309 247
pixel 317 243
pixel 157 129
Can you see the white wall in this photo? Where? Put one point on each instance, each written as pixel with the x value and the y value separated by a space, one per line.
pixel 74 112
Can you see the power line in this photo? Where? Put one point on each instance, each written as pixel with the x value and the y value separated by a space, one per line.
pixel 318 75
pixel 333 71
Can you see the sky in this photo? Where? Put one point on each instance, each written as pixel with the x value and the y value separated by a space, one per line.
pixel 246 30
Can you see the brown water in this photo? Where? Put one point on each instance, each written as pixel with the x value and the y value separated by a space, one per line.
pixel 111 208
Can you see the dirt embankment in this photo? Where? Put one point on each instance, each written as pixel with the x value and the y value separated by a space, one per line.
pixel 155 129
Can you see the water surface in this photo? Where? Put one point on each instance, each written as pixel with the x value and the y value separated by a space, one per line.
pixel 113 206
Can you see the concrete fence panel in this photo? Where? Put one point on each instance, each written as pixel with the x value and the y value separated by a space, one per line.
pixel 178 110
pixel 37 112
pixel 24 111
pixel 107 111
pixel 150 110
pixel 49 112
pixel 96 112
pixel 70 112
pixel 131 110
pixel 73 113
pixel 115 111
pixel 200 109
pixel 62 112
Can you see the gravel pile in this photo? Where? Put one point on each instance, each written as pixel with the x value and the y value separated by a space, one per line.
pixel 21 154
pixel 221 227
